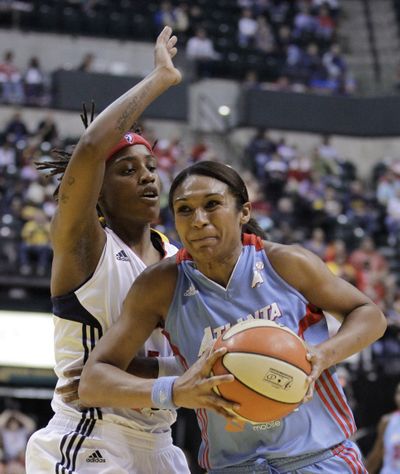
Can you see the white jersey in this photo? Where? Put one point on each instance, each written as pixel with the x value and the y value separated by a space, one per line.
pixel 84 315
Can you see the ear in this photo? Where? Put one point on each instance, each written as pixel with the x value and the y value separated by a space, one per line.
pixel 245 213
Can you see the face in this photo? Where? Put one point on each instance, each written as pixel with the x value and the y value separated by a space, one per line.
pixel 131 187
pixel 207 219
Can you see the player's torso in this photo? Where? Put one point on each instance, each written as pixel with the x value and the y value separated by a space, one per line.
pixel 202 310
pixel 83 316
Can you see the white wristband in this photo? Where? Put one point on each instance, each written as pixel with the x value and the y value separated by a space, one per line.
pixel 161 393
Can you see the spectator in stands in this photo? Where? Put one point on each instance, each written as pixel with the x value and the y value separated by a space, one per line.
pixel 7 154
pixel 87 63
pixel 16 128
pixel 264 39
pixel 335 63
pixel 47 129
pixel 339 263
pixel 247 28
pixel 12 91
pixel 393 218
pixel 304 24
pixel 15 429
pixel 325 24
pixel 386 447
pixel 34 81
pixel 316 243
pixel 200 49
pixel 174 16
pixel 35 245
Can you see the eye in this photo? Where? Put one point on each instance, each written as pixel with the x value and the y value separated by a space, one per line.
pixel 183 209
pixel 128 170
pixel 152 168
pixel 212 203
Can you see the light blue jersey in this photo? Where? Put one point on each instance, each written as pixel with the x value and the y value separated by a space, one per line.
pixel 202 309
pixel 391 442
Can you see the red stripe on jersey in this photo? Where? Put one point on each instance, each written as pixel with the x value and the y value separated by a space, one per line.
pixel 202 417
pixel 329 407
pixel 347 413
pixel 313 316
pixel 182 255
pixel 348 461
pixel 252 239
pixel 175 349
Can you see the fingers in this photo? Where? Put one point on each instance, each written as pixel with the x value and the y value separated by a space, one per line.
pixel 172 41
pixel 212 357
pixel 165 34
pixel 172 52
pixel 75 372
pixel 310 393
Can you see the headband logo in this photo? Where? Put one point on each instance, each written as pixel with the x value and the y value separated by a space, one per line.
pixel 128 137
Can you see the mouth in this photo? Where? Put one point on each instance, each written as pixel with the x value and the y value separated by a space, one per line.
pixel 204 240
pixel 150 194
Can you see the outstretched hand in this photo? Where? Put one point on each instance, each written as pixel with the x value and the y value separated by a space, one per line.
pixel 194 389
pixel 164 51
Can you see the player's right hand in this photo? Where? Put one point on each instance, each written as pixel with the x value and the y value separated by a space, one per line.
pixel 194 389
pixel 69 390
pixel 164 51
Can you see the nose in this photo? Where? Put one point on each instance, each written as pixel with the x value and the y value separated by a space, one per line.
pixel 146 176
pixel 200 218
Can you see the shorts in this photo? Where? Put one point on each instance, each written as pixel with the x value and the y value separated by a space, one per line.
pixel 66 446
pixel 342 459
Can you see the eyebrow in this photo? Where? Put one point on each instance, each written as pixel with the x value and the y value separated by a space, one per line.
pixel 178 199
pixel 131 158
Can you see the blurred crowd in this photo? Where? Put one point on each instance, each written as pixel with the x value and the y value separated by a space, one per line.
pixel 273 44
pixel 15 429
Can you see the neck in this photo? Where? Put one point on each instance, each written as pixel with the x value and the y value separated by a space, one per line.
pixel 137 237
pixel 220 270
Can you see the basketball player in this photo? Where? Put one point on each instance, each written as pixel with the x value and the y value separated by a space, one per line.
pixel 114 171
pixel 386 450
pixel 226 273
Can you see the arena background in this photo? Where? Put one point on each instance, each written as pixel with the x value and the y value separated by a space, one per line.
pixel 301 96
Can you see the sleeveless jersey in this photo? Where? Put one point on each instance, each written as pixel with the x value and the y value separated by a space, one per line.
pixel 201 310
pixel 84 315
pixel 391 442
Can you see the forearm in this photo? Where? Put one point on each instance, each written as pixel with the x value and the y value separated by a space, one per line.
pixel 119 116
pixel 363 326
pixel 103 385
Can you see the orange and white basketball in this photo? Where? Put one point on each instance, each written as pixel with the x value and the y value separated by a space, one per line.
pixel 270 368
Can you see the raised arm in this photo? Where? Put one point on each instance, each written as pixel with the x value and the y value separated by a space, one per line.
pixel 104 380
pixel 75 228
pixel 363 322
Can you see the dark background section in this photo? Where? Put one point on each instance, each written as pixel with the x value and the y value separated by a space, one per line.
pixel 72 88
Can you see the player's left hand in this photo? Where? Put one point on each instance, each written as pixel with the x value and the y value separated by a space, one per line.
pixel 316 357
pixel 164 52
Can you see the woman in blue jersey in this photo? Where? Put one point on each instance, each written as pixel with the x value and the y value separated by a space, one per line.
pixel 112 172
pixel 207 287
pixel 386 449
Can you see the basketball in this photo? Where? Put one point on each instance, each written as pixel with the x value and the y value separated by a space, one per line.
pixel 270 368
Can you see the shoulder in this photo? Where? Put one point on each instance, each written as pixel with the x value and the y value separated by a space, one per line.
pixel 294 263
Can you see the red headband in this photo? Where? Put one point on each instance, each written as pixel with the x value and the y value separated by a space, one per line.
pixel 130 139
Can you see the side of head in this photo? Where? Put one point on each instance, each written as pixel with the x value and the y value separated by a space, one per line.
pixel 225 174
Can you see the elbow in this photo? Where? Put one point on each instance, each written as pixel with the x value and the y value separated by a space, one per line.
pixel 381 325
pixel 88 145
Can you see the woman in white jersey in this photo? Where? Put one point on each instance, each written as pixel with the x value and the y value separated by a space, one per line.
pixel 111 172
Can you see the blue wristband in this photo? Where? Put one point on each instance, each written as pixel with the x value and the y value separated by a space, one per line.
pixel 161 393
